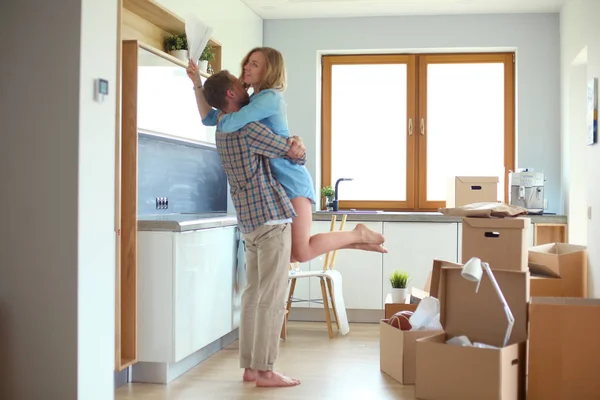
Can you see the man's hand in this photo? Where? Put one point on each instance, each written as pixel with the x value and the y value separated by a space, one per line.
pixel 194 73
pixel 298 150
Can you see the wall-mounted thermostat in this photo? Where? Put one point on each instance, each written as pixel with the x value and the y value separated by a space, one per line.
pixel 100 89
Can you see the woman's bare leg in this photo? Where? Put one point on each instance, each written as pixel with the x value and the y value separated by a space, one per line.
pixel 306 247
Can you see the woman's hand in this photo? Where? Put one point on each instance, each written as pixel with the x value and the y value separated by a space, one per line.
pixel 193 73
pixel 297 151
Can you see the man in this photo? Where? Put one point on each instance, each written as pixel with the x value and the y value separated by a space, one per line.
pixel 264 215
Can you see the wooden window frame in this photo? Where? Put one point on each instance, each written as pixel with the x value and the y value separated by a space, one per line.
pixel 411 145
pixel 416 145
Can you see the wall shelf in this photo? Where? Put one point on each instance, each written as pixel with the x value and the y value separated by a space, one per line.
pixel 151 23
pixel 167 56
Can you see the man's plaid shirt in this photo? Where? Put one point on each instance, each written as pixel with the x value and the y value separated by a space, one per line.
pixel 256 195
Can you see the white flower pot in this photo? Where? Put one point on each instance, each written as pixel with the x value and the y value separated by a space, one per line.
pixel 398 295
pixel 203 65
pixel 180 54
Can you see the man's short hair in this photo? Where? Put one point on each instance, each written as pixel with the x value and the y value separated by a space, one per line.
pixel 215 89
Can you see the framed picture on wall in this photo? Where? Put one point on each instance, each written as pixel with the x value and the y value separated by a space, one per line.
pixel 592 111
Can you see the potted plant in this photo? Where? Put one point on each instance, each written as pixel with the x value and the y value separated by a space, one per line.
pixel 328 194
pixel 398 281
pixel 177 46
pixel 208 54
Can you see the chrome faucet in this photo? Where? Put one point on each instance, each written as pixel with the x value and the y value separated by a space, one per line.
pixel 335 203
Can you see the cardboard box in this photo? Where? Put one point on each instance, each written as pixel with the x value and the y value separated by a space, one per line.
pixel 397 348
pixel 500 242
pixel 412 300
pixel 393 308
pixel 544 286
pixel 564 349
pixel 463 190
pixel 397 352
pixel 560 260
pixel 453 372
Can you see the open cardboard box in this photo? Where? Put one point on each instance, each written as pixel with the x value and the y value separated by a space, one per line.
pixel 397 351
pixel 413 298
pixel 500 242
pixel 564 349
pixel 453 372
pixel 558 270
pixel 392 308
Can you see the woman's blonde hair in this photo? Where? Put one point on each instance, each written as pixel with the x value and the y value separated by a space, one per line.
pixel 274 75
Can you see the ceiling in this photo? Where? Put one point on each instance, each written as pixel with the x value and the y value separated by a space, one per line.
pixel 281 9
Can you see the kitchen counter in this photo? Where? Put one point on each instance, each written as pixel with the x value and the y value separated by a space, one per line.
pixel 190 222
pixel 378 216
pixel 184 222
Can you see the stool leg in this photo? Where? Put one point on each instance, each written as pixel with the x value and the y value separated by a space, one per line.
pixel 326 307
pixel 330 287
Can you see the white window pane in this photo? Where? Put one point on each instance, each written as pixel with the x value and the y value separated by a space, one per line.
pixel 368 123
pixel 465 127
pixel 166 100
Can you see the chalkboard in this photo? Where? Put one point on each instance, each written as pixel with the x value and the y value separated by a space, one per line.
pixel 190 175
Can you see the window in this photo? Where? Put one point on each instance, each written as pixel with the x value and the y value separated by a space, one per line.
pixel 403 126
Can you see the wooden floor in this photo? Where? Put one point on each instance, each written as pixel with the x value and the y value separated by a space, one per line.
pixel 346 367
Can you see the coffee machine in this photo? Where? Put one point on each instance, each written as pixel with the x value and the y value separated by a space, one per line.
pixel 527 190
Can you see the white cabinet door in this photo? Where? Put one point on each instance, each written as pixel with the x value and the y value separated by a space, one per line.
pixel 204 263
pixel 220 268
pixel 412 248
pixel 361 272
pixel 155 296
pixel 191 250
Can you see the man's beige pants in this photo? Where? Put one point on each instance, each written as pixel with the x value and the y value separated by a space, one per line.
pixel 268 251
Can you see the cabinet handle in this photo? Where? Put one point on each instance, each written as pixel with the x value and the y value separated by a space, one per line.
pixel 422 126
pixel 410 127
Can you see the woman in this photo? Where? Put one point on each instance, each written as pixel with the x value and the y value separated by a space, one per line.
pixel 263 70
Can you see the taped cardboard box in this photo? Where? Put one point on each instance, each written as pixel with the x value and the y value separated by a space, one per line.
pixel 451 372
pixel 500 242
pixel 463 190
pixel 564 349
pixel 558 270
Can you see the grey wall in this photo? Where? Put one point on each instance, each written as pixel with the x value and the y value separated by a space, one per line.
pixel 534 36
pixel 190 175
pixel 57 169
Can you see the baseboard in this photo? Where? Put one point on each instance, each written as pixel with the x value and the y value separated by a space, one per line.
pixel 305 314
pixel 121 378
pixel 163 373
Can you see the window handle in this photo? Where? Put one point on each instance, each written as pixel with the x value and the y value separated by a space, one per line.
pixel 422 126
pixel 410 127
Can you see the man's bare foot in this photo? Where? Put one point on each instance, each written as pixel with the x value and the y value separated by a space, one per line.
pixel 368 236
pixel 249 375
pixel 274 379
pixel 377 248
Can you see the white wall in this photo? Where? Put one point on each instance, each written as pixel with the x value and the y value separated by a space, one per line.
pixel 57 251
pixel 96 180
pixel 534 36
pixel 236 27
pixel 580 30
